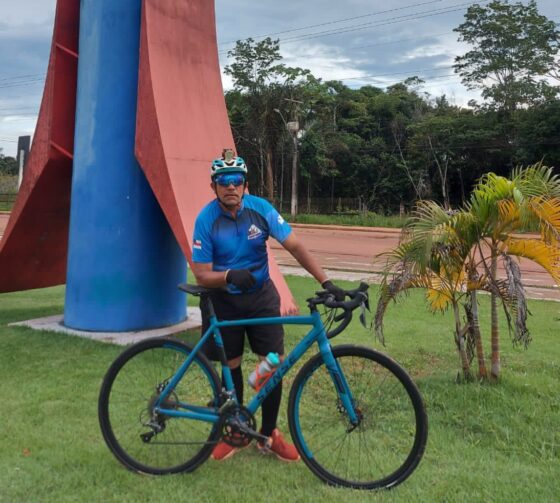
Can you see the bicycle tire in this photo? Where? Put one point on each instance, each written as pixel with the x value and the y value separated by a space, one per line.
pixel 128 393
pixel 390 440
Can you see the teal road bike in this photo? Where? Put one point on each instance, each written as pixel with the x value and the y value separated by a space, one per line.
pixel 355 416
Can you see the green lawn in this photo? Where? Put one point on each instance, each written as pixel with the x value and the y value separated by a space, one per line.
pixel 368 219
pixel 487 442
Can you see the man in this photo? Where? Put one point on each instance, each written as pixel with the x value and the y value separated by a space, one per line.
pixel 229 253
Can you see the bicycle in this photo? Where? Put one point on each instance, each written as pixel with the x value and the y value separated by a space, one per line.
pixel 355 416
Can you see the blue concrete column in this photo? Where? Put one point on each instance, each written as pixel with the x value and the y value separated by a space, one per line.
pixel 124 263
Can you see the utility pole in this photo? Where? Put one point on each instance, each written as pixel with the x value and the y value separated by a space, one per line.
pixel 22 151
pixel 293 129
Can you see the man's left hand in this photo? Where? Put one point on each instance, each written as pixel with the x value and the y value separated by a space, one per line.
pixel 336 291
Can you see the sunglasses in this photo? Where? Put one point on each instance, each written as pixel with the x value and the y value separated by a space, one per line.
pixel 226 180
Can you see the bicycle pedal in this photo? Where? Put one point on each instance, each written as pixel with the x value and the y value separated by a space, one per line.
pixel 266 447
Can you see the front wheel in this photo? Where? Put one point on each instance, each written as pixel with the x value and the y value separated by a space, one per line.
pixel 387 444
pixel 141 439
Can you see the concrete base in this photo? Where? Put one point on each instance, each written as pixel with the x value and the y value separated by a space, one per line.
pixel 54 324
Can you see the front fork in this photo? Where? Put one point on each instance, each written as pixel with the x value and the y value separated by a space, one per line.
pixel 346 400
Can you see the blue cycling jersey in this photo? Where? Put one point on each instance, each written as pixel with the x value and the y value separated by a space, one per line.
pixel 238 243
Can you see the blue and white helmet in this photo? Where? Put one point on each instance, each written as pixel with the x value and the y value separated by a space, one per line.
pixel 228 163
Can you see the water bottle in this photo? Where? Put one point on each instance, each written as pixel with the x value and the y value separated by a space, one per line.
pixel 264 370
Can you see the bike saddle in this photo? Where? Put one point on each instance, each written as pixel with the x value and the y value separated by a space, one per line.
pixel 194 289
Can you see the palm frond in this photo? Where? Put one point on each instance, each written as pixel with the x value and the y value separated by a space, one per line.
pixel 389 291
pixel 427 220
pixel 518 304
pixel 547 256
pixel 501 289
pixel 412 253
pixel 439 292
pixel 547 211
pixel 537 180
pixel 510 215
pixel 466 228
pixel 493 187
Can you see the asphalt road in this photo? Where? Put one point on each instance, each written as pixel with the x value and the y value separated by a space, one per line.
pixel 357 250
pixel 353 253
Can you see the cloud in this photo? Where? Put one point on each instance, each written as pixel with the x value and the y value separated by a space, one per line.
pixel 323 61
pixel 445 48
pixel 397 41
pixel 27 12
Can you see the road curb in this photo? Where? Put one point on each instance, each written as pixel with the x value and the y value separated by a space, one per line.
pixel 353 228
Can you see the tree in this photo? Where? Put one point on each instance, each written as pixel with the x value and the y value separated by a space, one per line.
pixel 514 47
pixel 431 139
pixel 430 256
pixel 8 165
pixel 538 131
pixel 383 149
pixel 263 82
pixel 455 254
pixel 502 208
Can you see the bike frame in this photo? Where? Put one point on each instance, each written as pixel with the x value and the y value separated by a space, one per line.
pixel 316 334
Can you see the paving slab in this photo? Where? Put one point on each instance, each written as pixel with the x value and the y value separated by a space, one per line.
pixel 54 324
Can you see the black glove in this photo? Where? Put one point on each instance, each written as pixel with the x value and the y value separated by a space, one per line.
pixel 241 278
pixel 330 287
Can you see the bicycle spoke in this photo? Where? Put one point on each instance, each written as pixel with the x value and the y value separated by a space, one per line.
pixel 377 449
pixel 130 395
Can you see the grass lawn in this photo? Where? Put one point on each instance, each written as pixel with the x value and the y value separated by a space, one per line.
pixel 368 219
pixel 488 443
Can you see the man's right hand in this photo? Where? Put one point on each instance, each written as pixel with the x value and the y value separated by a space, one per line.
pixel 241 278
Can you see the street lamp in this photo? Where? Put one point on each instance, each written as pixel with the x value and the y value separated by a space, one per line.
pixel 293 128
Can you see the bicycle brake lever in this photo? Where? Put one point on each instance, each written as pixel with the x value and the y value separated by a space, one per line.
pixel 362 317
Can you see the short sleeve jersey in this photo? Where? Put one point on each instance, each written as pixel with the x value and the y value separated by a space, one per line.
pixel 238 243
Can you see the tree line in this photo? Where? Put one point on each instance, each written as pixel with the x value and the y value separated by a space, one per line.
pixel 382 150
pixel 8 165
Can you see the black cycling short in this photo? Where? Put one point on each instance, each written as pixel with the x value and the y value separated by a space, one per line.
pixel 263 339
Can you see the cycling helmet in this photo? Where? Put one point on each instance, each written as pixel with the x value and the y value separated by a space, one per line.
pixel 228 163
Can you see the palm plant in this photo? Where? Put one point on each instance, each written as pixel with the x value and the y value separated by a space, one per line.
pixel 501 208
pixel 453 255
pixel 432 254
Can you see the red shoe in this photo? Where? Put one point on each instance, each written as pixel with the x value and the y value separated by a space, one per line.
pixel 224 451
pixel 278 446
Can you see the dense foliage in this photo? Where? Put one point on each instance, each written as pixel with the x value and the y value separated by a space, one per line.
pixel 8 165
pixel 383 149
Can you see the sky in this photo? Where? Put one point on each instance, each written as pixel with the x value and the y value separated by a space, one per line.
pixel 359 42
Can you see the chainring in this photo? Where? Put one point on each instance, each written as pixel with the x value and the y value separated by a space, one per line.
pixel 229 422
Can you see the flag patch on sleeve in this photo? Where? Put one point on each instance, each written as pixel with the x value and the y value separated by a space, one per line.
pixel 197 244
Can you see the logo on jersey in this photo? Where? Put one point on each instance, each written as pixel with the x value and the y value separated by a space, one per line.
pixel 254 232
pixel 197 244
pixel 280 219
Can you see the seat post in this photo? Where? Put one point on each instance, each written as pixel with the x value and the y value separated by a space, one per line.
pixel 205 298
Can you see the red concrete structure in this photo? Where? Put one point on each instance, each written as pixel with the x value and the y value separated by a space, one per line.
pixel 33 249
pixel 182 124
pixel 182 118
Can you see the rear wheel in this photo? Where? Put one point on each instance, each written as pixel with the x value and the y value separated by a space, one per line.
pixel 386 446
pixel 142 440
